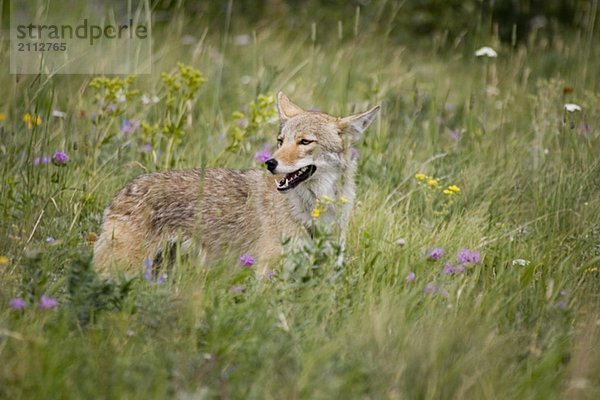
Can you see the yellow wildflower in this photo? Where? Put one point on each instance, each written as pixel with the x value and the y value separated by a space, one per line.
pixel 316 212
pixel 2 117
pixel 448 192
pixel 454 188
pixel 32 120
pixel 433 182
pixel 421 176
pixel 591 270
pixel 4 261
pixel 343 199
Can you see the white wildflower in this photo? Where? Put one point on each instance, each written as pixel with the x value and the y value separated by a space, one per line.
pixel 59 114
pixel 521 262
pixel 570 107
pixel 486 51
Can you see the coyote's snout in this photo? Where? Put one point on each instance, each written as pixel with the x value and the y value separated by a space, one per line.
pixel 201 208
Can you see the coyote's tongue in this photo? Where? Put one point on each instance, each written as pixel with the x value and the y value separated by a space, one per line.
pixel 292 179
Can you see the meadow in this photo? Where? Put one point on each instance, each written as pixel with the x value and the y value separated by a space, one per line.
pixel 472 266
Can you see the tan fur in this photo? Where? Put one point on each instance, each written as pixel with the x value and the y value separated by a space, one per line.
pixel 225 211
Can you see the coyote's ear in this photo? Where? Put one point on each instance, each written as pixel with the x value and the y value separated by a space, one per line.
pixel 287 109
pixel 355 125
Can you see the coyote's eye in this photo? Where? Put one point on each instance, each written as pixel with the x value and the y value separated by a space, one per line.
pixel 279 142
pixel 305 142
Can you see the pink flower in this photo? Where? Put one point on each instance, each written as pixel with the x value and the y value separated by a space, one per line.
pixel 17 303
pixel 247 260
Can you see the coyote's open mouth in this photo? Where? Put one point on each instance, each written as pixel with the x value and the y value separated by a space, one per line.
pixel 292 179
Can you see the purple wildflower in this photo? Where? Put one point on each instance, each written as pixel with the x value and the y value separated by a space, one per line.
pixel 456 134
pixel 148 270
pixel 36 161
pixel 41 160
pixel 430 288
pixel 17 303
pixel 354 154
pixel 410 277
pixel 129 126
pixel 264 154
pixel 449 269
pixel 247 260
pixel 460 269
pixel 111 108
pixel 466 256
pixel 270 275
pixel 147 148
pixel 50 240
pixel 436 254
pixel 47 302
pixel 161 279
pixel 60 157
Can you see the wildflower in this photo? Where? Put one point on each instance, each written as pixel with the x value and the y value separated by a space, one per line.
pixel 436 254
pixel 448 192
pixel 401 242
pixel 354 154
pixel 270 275
pixel 591 270
pixel 2 117
pixel 343 200
pixel 111 108
pixel 433 182
pixel 50 240
pixel 454 188
pixel 47 302
pixel 4 261
pixel 521 262
pixel 316 212
pixel 147 100
pixel 570 107
pixel 60 158
pixel 486 51
pixel 264 154
pixel 460 269
pixel 449 269
pixel 410 277
pixel 120 96
pixel 431 288
pixel 466 256
pixel 456 134
pixel 129 126
pixel 59 114
pixel 147 148
pixel 420 176
pixel 161 279
pixel 17 303
pixel 247 260
pixel 148 270
pixel 32 120
pixel 43 160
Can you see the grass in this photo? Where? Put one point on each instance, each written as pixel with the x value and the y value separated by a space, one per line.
pixel 529 175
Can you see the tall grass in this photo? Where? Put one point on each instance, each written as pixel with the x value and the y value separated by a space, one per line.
pixel 521 323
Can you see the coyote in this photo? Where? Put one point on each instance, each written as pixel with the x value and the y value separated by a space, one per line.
pixel 220 210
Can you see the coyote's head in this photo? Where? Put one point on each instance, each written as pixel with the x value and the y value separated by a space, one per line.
pixel 311 142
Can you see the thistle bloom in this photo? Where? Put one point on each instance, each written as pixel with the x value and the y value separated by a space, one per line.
pixel 17 303
pixel 47 302
pixel 60 158
pixel 436 253
pixel 247 260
